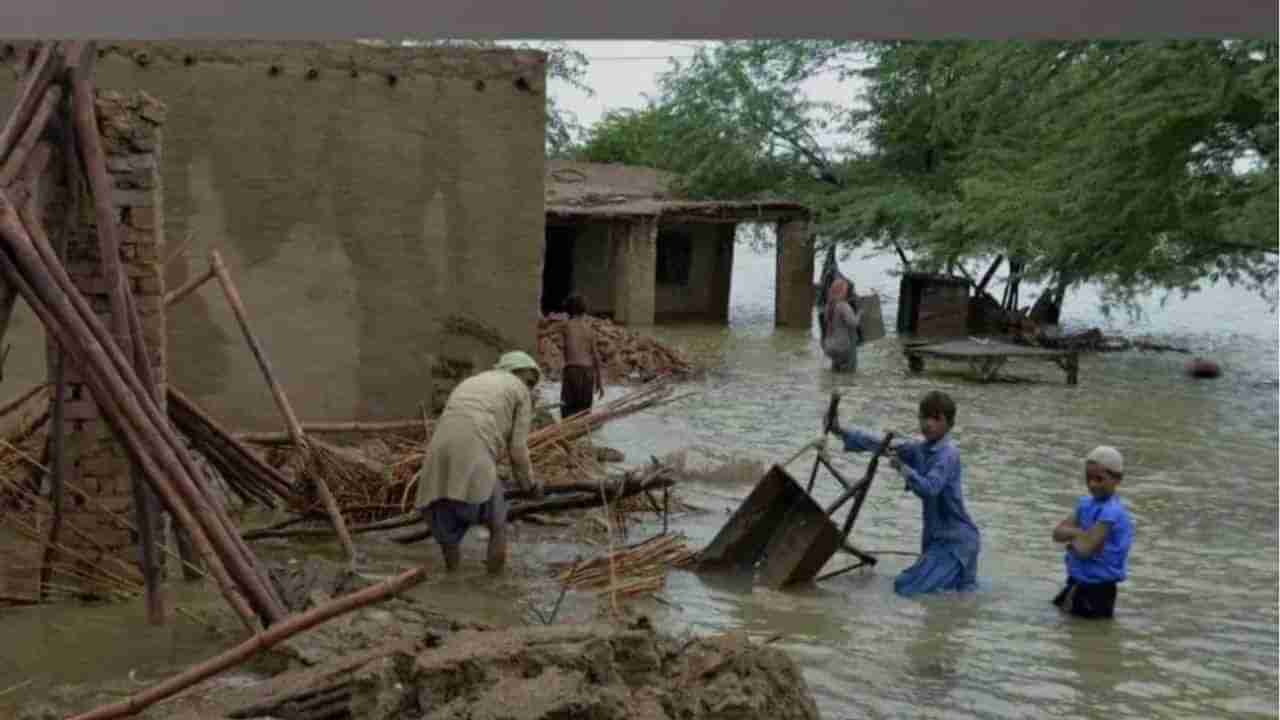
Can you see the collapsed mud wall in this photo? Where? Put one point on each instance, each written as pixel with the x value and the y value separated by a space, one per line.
pixel 360 195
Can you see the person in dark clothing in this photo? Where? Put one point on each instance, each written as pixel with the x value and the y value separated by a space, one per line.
pixel 582 373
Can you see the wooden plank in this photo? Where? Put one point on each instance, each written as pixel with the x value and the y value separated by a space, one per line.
pixel 743 538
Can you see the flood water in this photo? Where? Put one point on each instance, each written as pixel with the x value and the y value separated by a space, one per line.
pixel 1196 632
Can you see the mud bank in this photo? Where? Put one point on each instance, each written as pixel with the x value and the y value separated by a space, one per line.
pixel 403 659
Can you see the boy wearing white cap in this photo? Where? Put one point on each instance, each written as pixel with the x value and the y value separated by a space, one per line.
pixel 1098 535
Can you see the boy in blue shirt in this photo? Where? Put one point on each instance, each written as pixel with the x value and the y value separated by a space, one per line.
pixel 950 540
pixel 1098 535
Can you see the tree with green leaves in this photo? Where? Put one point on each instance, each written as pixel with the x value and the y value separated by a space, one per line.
pixel 1135 165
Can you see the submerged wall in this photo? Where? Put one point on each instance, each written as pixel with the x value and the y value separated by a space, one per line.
pixel 360 196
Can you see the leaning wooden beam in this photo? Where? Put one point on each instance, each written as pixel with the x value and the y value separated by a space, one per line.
pixel 200 426
pixel 131 436
pixel 242 317
pixel 47 64
pixel 247 649
pixel 93 158
pixel 191 286
pixel 282 401
pixel 13 165
pixel 68 309
pixel 18 401
pixel 57 433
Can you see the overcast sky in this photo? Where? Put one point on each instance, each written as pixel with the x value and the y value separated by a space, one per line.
pixel 622 72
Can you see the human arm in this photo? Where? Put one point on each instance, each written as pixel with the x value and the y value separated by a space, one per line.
pixel 1089 542
pixel 518 444
pixel 1067 530
pixel 945 469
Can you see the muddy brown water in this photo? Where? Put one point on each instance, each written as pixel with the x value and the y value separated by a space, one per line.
pixel 1196 634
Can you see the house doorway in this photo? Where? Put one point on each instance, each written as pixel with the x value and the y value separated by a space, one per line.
pixel 557 268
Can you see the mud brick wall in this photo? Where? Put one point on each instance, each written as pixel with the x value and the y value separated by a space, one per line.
pixel 97 464
pixel 360 195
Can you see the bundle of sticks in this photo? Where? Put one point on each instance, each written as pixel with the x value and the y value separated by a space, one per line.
pixel 624 353
pixel 633 570
pixel 114 362
pixel 570 496
pixel 553 450
pixel 60 570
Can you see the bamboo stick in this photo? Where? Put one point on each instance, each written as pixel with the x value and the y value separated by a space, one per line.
pixel 126 431
pixel 237 308
pixel 22 398
pixel 57 433
pixel 282 402
pixel 93 159
pixel 191 286
pixel 39 120
pixel 199 425
pixel 35 82
pixel 262 641
pixel 108 376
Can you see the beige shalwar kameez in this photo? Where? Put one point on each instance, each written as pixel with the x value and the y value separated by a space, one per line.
pixel 487 414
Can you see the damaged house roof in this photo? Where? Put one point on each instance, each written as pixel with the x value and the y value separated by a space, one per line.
pixel 601 190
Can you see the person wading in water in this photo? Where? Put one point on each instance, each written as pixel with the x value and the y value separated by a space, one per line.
pixel 582 373
pixel 842 325
pixel 487 415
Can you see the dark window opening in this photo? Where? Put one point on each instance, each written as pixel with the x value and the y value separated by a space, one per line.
pixel 675 255
pixel 557 268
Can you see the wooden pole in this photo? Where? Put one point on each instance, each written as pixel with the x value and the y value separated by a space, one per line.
pixel 93 159
pixel 69 306
pixel 237 307
pixel 187 413
pixel 31 171
pixel 282 402
pixel 13 165
pixel 57 433
pixel 262 641
pixel 25 396
pixel 107 400
pixel 353 426
pixel 191 286
pixel 35 82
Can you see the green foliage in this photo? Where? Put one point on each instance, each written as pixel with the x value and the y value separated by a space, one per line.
pixel 1136 165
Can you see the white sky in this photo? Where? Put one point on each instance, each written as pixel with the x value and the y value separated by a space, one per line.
pixel 622 72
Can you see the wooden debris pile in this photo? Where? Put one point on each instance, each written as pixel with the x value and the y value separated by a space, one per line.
pixel 555 451
pixel 629 571
pixel 626 355
pixel 54 114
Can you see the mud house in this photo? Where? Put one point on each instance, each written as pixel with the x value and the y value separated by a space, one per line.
pixel 375 206
pixel 362 196
pixel 618 235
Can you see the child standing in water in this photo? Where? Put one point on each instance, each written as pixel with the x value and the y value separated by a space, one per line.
pixel 1098 535
pixel 950 540
pixel 581 361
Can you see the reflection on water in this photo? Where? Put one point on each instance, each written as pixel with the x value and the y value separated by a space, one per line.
pixel 1196 632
